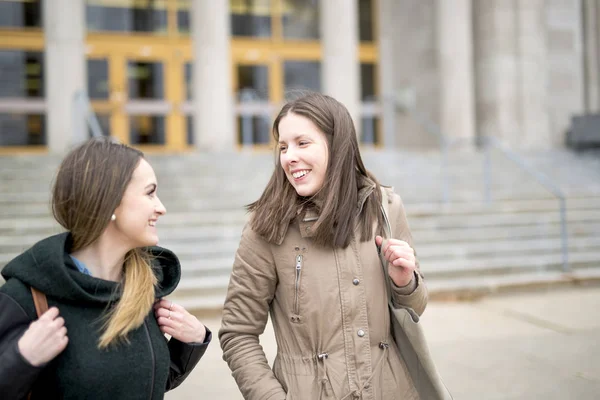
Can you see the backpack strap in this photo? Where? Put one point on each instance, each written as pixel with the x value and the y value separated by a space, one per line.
pixel 40 301
pixel 41 306
pixel 385 209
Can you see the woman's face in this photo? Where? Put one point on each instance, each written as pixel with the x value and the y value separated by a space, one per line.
pixel 139 209
pixel 303 153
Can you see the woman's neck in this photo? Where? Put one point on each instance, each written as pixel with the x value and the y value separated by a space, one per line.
pixel 104 260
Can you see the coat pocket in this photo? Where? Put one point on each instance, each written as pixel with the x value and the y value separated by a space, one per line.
pixel 297 376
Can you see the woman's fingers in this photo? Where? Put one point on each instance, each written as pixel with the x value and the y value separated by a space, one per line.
pixel 49 315
pixel 176 321
pixel 45 338
pixel 398 250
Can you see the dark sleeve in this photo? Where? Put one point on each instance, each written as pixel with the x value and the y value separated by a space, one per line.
pixel 184 357
pixel 17 376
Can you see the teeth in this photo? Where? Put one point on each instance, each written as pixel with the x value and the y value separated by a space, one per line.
pixel 299 174
pixel 152 223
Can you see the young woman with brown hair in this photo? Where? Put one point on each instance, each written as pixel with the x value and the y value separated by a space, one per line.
pixel 309 256
pixel 104 280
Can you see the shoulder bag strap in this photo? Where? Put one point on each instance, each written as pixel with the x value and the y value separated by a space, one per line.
pixel 40 301
pixel 388 235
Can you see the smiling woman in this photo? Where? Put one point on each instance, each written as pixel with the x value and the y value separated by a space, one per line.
pixel 105 280
pixel 302 153
pixel 309 258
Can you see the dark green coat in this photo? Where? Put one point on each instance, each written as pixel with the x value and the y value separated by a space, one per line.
pixel 143 368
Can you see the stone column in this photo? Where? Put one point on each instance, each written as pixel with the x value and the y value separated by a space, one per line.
pixel 496 69
pixel 591 35
pixel 64 71
pixel 455 41
pixel 340 69
pixel 387 71
pixel 211 74
pixel 566 77
pixel 533 76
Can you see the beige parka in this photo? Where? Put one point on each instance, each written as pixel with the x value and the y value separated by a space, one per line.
pixel 329 312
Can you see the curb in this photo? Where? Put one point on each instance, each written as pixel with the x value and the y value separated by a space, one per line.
pixel 475 289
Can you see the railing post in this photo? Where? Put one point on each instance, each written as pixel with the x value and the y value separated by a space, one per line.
pixel 389 122
pixel 83 108
pixel 445 174
pixel 564 235
pixel 78 129
pixel 247 96
pixel 487 170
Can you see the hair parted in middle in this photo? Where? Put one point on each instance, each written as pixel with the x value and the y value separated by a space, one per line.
pixel 337 200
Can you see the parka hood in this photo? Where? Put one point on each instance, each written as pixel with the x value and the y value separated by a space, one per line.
pixel 366 186
pixel 48 267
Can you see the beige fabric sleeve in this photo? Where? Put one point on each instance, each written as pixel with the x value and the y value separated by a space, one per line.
pixel 251 288
pixel 415 294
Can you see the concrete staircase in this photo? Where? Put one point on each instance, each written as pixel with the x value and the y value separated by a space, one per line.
pixel 466 246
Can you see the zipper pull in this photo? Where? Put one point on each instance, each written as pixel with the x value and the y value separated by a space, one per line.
pixel 298 262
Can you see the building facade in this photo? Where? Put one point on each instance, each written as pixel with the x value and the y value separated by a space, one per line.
pixel 178 75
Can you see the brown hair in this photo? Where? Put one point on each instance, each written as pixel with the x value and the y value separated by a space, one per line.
pixel 88 188
pixel 338 198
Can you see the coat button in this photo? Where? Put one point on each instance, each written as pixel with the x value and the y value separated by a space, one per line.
pixel 360 333
pixel 355 281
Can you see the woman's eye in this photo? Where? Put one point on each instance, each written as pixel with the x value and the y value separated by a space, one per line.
pixel 282 148
pixel 303 143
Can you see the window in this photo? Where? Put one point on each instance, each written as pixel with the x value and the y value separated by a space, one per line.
pixel 250 18
pixel 365 20
pixel 302 75
pixel 20 13
pixel 143 16
pixel 301 19
pixel 97 71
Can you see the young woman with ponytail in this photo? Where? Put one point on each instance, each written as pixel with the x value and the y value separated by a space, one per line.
pixel 103 336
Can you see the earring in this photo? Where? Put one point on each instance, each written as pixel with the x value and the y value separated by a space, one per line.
pixel 114 217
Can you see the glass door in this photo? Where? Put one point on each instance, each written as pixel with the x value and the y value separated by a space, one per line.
pixel 255 93
pixel 146 107
pixel 138 93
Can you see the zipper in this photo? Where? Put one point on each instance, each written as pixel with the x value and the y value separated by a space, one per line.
pixel 298 274
pixel 153 360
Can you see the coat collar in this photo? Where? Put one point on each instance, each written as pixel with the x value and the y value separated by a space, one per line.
pixel 365 188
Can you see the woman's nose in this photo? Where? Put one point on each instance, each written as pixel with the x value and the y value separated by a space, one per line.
pixel 160 208
pixel 290 156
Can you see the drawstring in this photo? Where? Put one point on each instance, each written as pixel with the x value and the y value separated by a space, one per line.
pixel 322 372
pixel 357 392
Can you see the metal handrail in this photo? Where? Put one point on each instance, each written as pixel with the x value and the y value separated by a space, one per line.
pixel 82 106
pixel 406 103
pixel 445 142
pixel 541 178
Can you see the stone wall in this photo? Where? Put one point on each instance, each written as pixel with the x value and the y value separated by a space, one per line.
pixel 415 65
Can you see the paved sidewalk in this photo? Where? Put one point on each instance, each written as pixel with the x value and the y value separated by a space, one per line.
pixel 540 345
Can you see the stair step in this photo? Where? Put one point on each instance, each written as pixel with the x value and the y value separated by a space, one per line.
pixel 464 245
pixel 454 267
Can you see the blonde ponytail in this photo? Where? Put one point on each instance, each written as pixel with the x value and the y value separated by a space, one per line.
pixel 136 300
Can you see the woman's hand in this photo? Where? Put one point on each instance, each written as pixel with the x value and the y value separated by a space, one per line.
pixel 45 338
pixel 401 260
pixel 175 321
